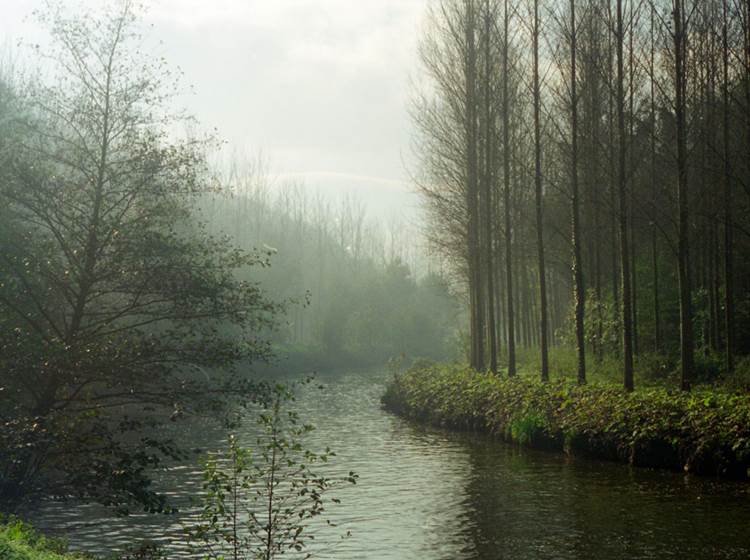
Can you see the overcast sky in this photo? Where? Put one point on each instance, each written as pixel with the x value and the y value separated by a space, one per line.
pixel 320 86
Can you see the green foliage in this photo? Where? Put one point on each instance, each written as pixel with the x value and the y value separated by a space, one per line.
pixel 261 502
pixel 708 366
pixel 144 551
pixel 118 310
pixel 527 428
pixel 739 380
pixel 653 368
pixel 650 368
pixel 601 329
pixel 704 432
pixel 19 541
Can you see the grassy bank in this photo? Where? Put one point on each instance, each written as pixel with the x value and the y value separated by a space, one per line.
pixel 18 541
pixel 704 432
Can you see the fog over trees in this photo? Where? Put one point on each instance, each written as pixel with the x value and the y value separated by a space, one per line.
pixel 178 312
pixel 140 282
pixel 358 290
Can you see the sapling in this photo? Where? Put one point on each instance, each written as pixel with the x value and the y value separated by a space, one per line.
pixel 268 500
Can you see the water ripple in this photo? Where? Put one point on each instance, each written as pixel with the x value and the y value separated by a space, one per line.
pixel 425 494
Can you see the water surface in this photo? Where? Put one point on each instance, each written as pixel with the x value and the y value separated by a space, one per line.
pixel 427 494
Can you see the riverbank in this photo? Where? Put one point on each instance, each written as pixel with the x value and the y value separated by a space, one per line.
pixel 704 432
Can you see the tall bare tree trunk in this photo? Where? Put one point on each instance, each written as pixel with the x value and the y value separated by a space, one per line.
pixel 728 226
pixel 538 194
pixel 596 142
pixel 683 244
pixel 613 181
pixel 579 291
pixel 627 325
pixel 510 311
pixel 472 192
pixel 654 253
pixel 631 162
pixel 488 181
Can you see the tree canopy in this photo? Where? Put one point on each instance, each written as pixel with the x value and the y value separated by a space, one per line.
pixel 118 307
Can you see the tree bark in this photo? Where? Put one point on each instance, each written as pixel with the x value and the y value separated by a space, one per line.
pixel 654 202
pixel 510 310
pixel 728 226
pixel 474 253
pixel 627 333
pixel 683 245
pixel 487 188
pixel 538 206
pixel 579 291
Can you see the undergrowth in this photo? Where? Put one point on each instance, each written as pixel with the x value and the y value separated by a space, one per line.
pixel 18 541
pixel 705 432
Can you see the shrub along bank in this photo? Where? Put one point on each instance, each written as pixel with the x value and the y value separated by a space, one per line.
pixel 18 541
pixel 703 432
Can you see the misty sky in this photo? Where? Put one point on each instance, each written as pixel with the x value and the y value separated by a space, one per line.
pixel 321 87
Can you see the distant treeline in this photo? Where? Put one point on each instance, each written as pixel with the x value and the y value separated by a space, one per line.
pixel 358 291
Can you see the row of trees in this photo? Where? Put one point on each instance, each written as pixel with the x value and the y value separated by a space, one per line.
pixel 358 291
pixel 593 150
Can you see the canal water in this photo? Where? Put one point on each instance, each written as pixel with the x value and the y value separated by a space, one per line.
pixel 427 494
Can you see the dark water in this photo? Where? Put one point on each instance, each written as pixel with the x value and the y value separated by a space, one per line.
pixel 425 494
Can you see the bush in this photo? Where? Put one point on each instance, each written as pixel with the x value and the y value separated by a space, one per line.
pixel 652 368
pixel 739 380
pixel 708 367
pixel 19 541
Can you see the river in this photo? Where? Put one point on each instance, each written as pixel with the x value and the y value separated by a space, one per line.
pixel 427 494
